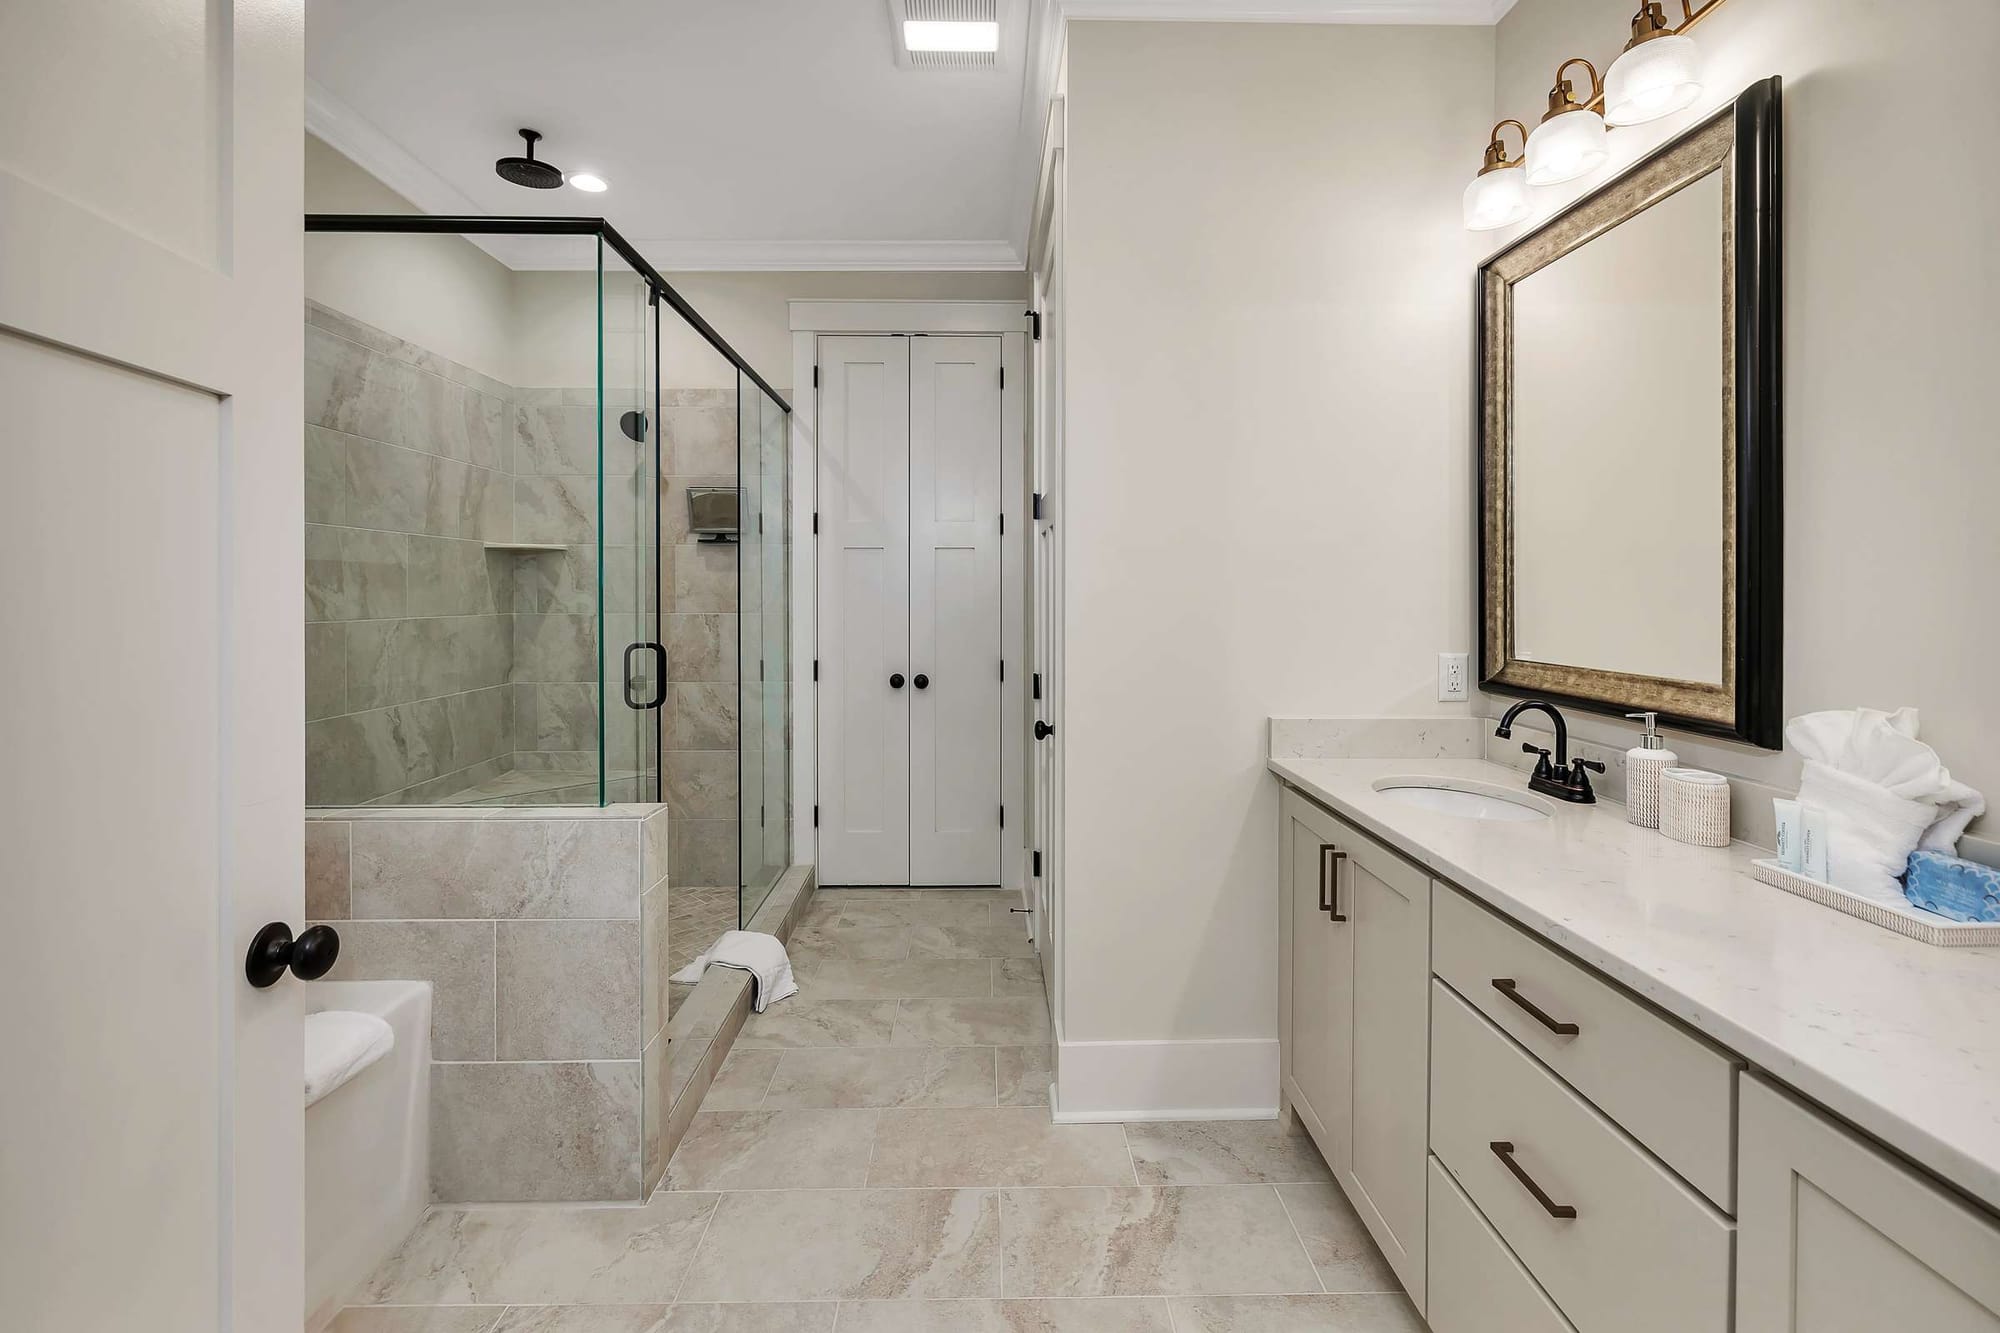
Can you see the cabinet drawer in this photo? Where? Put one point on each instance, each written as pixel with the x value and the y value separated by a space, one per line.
pixel 1666 1087
pixel 1641 1252
pixel 1477 1285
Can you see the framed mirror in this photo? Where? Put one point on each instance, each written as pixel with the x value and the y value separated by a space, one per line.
pixel 1631 413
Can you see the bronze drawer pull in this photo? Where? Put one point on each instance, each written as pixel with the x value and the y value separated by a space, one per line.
pixel 1511 988
pixel 1329 880
pixel 1505 1152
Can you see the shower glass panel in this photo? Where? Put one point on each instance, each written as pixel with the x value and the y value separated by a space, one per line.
pixel 763 640
pixel 482 515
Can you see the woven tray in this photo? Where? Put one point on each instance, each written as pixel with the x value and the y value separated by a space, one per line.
pixel 1914 922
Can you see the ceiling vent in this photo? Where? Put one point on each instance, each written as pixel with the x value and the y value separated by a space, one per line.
pixel 945 28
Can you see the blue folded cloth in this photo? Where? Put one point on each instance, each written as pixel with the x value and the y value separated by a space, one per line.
pixel 1962 890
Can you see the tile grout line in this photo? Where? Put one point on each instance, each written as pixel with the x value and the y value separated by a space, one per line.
pixel 721 1197
pixel 1132 1159
pixel 1300 1237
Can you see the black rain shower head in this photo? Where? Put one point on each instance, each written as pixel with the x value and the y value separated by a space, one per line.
pixel 526 171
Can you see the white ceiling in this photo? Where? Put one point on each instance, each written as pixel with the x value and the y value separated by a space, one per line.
pixel 736 134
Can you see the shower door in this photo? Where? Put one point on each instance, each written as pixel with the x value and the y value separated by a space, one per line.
pixel 633 684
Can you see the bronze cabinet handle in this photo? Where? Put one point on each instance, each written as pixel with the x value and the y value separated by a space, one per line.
pixel 1505 1152
pixel 1511 988
pixel 1329 882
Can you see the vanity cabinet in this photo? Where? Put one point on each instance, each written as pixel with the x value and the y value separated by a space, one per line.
pixel 1354 1020
pixel 1836 1236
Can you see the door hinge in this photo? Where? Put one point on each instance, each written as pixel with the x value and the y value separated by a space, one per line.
pixel 815 522
pixel 815 668
pixel 1003 668
pixel 1003 525
pixel 1038 504
pixel 1003 377
pixel 760 816
pixel 815 377
pixel 1038 863
pixel 1034 324
pixel 1003 816
pixel 760 525
pixel 1038 684
pixel 760 668
pixel 815 816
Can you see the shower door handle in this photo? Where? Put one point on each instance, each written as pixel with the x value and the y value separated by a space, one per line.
pixel 659 652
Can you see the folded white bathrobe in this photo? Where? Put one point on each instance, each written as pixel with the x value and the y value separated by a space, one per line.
pixel 1884 792
pixel 340 1044
pixel 762 956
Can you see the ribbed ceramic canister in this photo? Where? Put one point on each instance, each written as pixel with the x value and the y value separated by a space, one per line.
pixel 1694 807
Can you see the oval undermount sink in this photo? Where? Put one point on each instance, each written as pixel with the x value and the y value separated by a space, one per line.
pixel 1466 800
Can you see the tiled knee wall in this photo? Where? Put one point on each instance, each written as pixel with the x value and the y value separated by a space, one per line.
pixel 544 936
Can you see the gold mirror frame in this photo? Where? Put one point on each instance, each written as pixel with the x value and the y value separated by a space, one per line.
pixel 1742 143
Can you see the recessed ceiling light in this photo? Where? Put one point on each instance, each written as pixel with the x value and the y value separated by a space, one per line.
pixel 950 35
pixel 588 183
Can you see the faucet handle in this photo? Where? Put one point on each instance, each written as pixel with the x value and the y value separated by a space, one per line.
pixel 1591 764
pixel 1529 747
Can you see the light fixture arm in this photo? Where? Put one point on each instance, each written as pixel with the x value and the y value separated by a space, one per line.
pixel 1562 97
pixel 1496 148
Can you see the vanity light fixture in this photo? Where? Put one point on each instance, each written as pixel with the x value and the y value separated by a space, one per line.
pixel 1659 71
pixel 1570 140
pixel 1498 195
pixel 588 182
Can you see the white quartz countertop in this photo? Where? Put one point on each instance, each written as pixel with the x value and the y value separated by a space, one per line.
pixel 1898 1037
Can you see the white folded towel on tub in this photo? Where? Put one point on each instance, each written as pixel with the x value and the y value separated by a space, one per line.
pixel 762 956
pixel 340 1044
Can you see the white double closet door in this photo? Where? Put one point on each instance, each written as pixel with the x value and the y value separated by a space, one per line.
pixel 909 610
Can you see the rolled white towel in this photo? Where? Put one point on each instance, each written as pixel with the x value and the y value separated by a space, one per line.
pixel 340 1044
pixel 762 956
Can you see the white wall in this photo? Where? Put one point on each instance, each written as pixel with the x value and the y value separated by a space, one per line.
pixel 1891 545
pixel 440 292
pixel 1268 486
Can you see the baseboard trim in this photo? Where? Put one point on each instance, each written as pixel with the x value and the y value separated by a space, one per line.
pixel 1227 1079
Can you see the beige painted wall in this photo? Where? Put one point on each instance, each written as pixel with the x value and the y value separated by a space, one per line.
pixel 440 292
pixel 1267 476
pixel 1891 548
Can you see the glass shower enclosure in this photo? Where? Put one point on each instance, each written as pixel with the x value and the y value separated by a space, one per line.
pixel 509 598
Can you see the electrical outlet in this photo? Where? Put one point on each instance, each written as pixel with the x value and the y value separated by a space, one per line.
pixel 1451 677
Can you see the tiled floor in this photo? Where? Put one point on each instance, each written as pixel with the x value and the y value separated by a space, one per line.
pixel 876 1156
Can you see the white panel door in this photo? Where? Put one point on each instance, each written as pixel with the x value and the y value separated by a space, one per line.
pixel 151 663
pixel 1045 618
pixel 955 610
pixel 864 610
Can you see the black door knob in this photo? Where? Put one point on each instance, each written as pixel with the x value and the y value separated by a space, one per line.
pixel 922 681
pixel 1043 730
pixel 896 681
pixel 310 956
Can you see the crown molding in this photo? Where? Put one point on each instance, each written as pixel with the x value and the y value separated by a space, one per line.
pixel 671 257
pixel 1462 12
pixel 330 119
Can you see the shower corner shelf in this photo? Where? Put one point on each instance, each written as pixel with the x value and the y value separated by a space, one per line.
pixel 525 548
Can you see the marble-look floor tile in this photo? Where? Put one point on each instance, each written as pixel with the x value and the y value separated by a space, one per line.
pixel 1004 1021
pixel 1025 1073
pixel 918 910
pixel 850 979
pixel 849 1244
pixel 811 943
pixel 761 1150
pixel 884 1076
pixel 1296 1314
pixel 995 1146
pixel 742 1081
pixel 1151 1241
pixel 1018 976
pixel 1111 1314
pixel 760 1317
pixel 416 1319
pixel 544 1256
pixel 584 1319
pixel 957 941
pixel 796 1023
pixel 1336 1239
pixel 1223 1152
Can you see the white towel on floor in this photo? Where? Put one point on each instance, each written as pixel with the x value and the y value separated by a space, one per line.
pixel 340 1044
pixel 762 956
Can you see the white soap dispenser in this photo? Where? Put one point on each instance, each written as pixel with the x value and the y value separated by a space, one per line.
pixel 1644 763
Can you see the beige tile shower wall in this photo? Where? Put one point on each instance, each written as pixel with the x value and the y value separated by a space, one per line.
pixel 544 939
pixel 409 641
pixel 698 600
